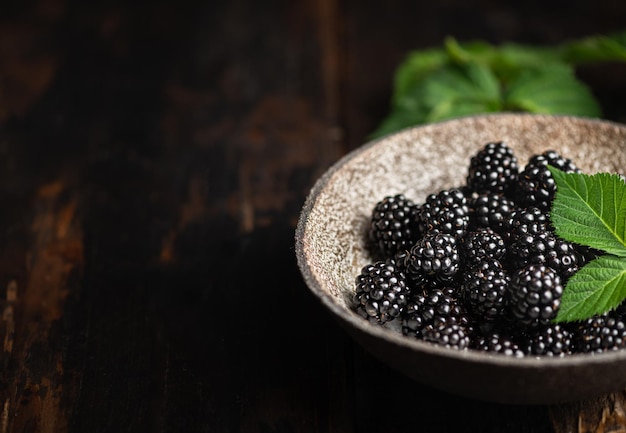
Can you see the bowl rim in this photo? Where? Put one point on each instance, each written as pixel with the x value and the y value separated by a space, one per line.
pixel 393 337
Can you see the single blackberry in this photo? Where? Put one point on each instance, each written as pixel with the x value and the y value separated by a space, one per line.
pixel 549 340
pixel 484 290
pixel 535 295
pixel 491 210
pixel 493 169
pixel 393 225
pixel 381 292
pixel 563 257
pixel 481 244
pixel 535 186
pixel 601 333
pixel 524 221
pixel 433 258
pixel 444 212
pixel 545 248
pixel 430 308
pixel 448 332
pixel 527 227
pixel 500 343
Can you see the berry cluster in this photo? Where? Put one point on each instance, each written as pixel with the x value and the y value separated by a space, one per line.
pixel 479 266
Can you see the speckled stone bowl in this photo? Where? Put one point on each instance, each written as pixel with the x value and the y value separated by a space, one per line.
pixel 330 247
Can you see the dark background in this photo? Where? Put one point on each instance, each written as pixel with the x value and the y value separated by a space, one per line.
pixel 154 157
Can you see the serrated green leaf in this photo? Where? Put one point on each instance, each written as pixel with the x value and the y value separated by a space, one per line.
pixel 597 287
pixel 552 89
pixel 590 210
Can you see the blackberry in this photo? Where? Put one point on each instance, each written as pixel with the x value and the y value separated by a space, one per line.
pixel 545 248
pixel 601 333
pixel 535 295
pixel 430 308
pixel 393 225
pixel 535 186
pixel 480 244
pixel 444 212
pixel 493 169
pixel 500 343
pixel 524 221
pixel 563 257
pixel 491 210
pixel 549 340
pixel 381 292
pixel 484 289
pixel 433 258
pixel 448 332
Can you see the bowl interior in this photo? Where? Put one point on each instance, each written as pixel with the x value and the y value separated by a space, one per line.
pixel 331 234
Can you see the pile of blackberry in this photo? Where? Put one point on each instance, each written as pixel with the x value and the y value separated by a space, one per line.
pixel 479 266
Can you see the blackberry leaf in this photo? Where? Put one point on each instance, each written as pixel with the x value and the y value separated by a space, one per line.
pixel 597 287
pixel 596 48
pixel 591 210
pixel 553 89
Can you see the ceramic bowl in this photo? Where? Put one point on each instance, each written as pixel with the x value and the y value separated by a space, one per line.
pixel 331 247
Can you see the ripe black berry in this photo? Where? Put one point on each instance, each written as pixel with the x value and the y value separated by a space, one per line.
pixel 545 248
pixel 485 288
pixel 522 222
pixel 493 169
pixel 491 210
pixel 393 225
pixel 535 295
pixel 445 212
pixel 434 258
pixel 549 340
pixel 381 292
pixel 535 186
pixel 482 243
pixel 501 343
pixel 601 333
pixel 426 308
pixel 448 333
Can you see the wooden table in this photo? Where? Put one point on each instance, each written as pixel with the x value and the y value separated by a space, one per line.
pixel 154 157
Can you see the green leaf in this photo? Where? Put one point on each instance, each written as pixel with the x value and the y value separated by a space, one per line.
pixel 457 91
pixel 595 49
pixel 506 61
pixel 590 210
pixel 597 287
pixel 474 51
pixel 447 92
pixel 414 68
pixel 536 79
pixel 552 89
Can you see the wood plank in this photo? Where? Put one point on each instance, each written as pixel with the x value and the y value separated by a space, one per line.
pixel 155 156
pixel 34 377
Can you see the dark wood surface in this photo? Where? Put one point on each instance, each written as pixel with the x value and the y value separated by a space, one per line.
pixel 154 157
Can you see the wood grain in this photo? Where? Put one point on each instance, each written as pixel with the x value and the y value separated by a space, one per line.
pixel 154 157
